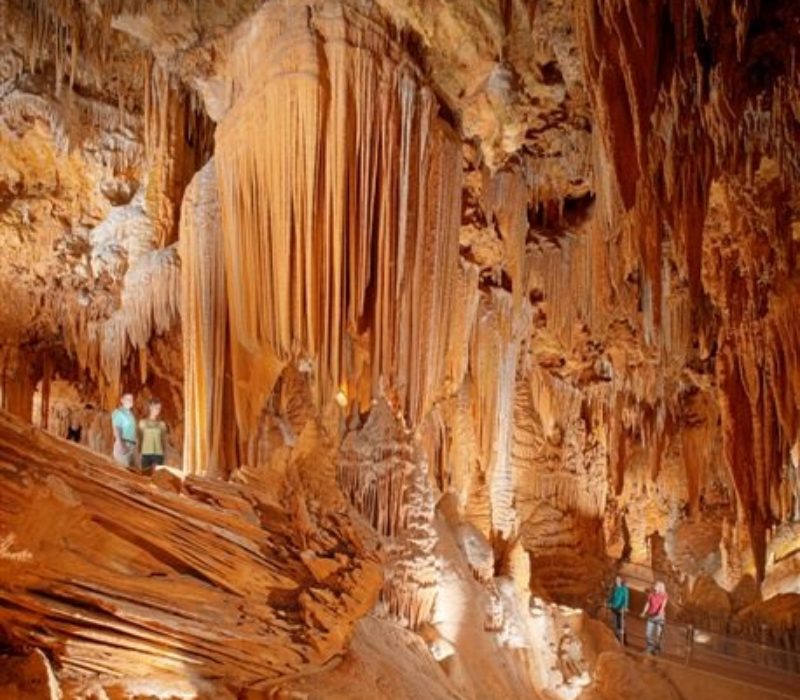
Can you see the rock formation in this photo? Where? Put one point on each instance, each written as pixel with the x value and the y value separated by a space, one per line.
pixel 451 306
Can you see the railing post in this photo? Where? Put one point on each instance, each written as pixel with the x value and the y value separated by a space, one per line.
pixel 689 644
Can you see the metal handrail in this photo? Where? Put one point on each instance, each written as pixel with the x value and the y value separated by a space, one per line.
pixel 656 574
pixel 763 656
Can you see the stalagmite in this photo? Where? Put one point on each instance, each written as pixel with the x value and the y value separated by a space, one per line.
pixel 382 473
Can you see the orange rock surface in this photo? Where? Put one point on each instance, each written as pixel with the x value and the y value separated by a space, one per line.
pixel 451 306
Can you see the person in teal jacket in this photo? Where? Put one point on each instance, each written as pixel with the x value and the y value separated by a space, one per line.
pixel 124 424
pixel 618 604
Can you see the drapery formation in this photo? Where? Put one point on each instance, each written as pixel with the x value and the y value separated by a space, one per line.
pixel 340 200
pixel 680 105
pixel 758 364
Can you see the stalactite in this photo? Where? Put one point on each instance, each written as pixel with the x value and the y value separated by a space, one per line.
pixel 699 418
pixel 575 275
pixel 506 200
pixel 459 460
pixel 149 304
pixel 76 42
pixel 118 146
pixel 478 552
pixel 757 365
pixel 462 322
pixel 19 106
pixel 782 338
pixel 139 315
pixel 178 139
pixel 555 401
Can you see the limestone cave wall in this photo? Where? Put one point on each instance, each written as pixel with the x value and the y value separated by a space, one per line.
pixel 502 280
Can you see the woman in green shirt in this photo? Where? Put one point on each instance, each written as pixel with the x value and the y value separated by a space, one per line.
pixel 154 437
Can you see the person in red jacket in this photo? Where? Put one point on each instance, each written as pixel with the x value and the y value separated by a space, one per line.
pixel 656 611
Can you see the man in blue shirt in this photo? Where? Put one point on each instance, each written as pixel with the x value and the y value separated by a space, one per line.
pixel 618 604
pixel 124 423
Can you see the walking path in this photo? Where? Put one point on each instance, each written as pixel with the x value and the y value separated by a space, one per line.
pixel 747 662
pixel 735 659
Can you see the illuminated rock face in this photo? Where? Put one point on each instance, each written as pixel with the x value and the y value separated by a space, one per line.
pixel 505 289
pixel 205 583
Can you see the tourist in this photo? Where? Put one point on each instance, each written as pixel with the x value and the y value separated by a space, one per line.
pixel 74 430
pixel 154 437
pixel 655 608
pixel 124 423
pixel 618 604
